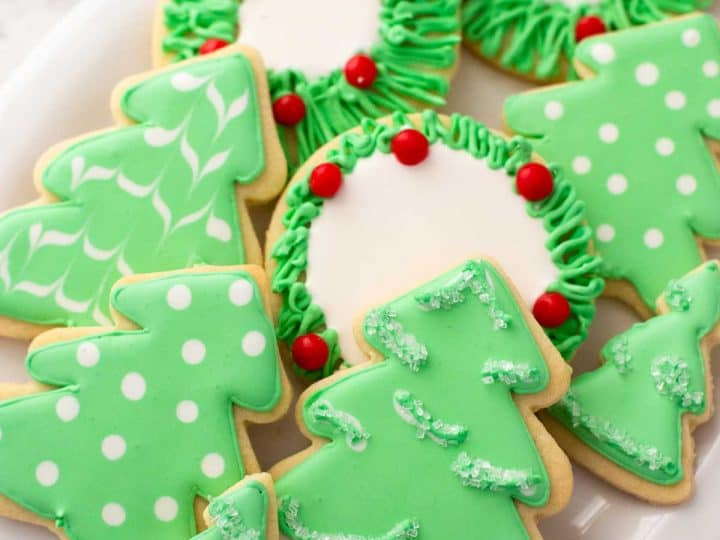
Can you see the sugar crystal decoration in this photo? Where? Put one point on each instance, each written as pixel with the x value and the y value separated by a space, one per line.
pixel 481 474
pixel 509 373
pixel 672 379
pixel 405 347
pixel 473 279
pixel 355 435
pixel 413 412
pixel 604 431
pixel 229 523
pixel 292 525
pixel 677 296
pixel 620 355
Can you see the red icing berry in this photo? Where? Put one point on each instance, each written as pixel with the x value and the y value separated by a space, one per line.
pixel 551 309
pixel 212 45
pixel 310 352
pixel 361 71
pixel 590 25
pixel 410 147
pixel 325 180
pixel 534 181
pixel 289 110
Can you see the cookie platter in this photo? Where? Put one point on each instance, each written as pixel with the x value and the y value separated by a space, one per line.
pixel 75 57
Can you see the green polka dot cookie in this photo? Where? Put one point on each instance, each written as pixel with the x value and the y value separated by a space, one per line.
pixel 125 426
pixel 636 137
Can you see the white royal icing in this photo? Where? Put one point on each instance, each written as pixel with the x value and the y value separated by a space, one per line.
pixel 312 36
pixel 391 227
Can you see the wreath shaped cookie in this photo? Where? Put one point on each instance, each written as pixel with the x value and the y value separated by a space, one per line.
pixel 407 195
pixel 537 38
pixel 379 57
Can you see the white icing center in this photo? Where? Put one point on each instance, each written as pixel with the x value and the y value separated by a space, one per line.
pixel 391 227
pixel 312 36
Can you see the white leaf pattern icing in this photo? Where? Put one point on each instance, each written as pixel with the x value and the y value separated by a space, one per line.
pixel 123 267
pixel 80 175
pixel 97 254
pixel 187 82
pixel 215 163
pixel 158 137
pixel 217 228
pixel 192 217
pixel 134 189
pixel 191 158
pixel 163 211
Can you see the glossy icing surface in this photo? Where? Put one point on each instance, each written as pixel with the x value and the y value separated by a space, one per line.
pixel 157 195
pixel 447 451
pixel 240 514
pixel 280 30
pixel 148 411
pixel 641 164
pixel 630 409
pixel 391 225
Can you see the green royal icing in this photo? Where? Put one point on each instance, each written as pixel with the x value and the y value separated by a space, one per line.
pixel 142 420
pixel 240 514
pixel 417 48
pixel 190 23
pixel 632 414
pixel 537 37
pixel 562 214
pixel 339 493
pixel 638 161
pixel 155 196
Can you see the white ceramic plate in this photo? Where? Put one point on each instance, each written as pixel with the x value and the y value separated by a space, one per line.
pixel 63 90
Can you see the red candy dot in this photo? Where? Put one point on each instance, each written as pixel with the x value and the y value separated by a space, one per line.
pixel 410 147
pixel 325 180
pixel 534 181
pixel 551 310
pixel 289 110
pixel 589 26
pixel 212 45
pixel 361 71
pixel 310 352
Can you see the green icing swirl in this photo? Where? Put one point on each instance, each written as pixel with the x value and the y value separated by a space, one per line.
pixel 562 214
pixel 190 23
pixel 534 37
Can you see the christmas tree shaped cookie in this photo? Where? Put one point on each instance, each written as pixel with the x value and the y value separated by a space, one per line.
pixel 329 66
pixel 139 420
pixel 634 138
pixel 165 190
pixel 436 437
pixel 631 420
pixel 245 512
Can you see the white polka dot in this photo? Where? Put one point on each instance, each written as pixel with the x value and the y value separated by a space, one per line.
pixel 166 509
pixel 605 233
pixel 581 165
pixel 179 297
pixel 554 110
pixel 647 74
pixel 713 108
pixel 711 68
pixel 608 133
pixel 691 37
pixel 675 100
pixel 603 53
pixel 67 408
pixel 664 146
pixel 253 343
pixel 187 411
pixel 686 184
pixel 653 238
pixel 113 447
pixel 193 351
pixel 87 354
pixel 113 514
pixel 213 465
pixel 241 292
pixel 47 474
pixel 617 184
pixel 133 386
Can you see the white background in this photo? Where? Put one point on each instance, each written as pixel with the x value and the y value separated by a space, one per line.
pixel 61 89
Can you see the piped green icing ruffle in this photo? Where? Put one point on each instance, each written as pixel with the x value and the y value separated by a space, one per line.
pixel 534 37
pixel 562 214
pixel 418 41
pixel 190 23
